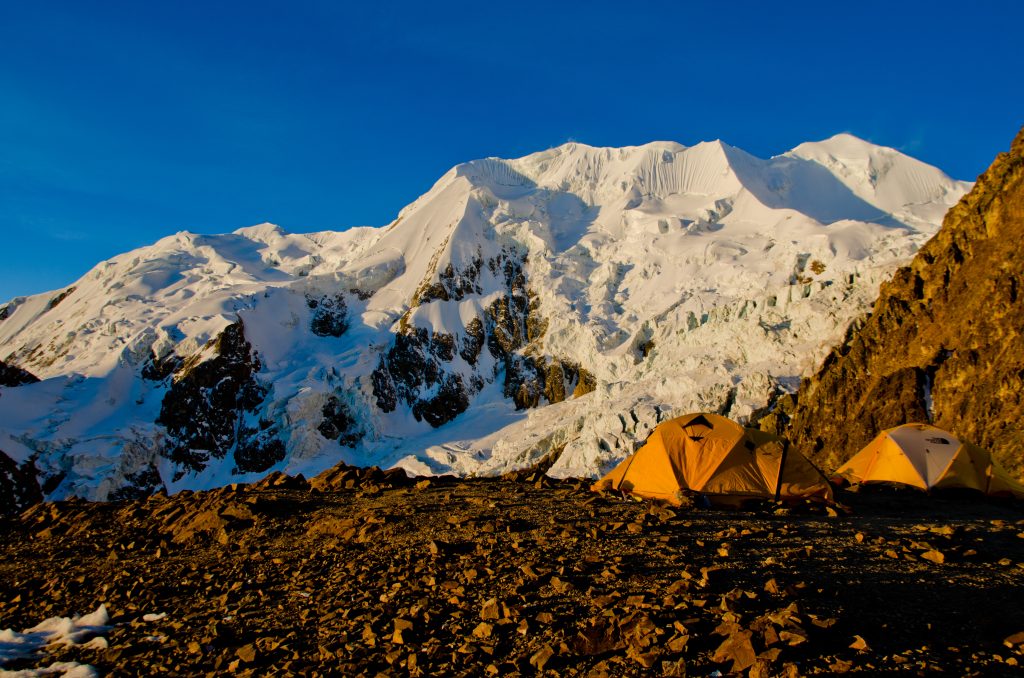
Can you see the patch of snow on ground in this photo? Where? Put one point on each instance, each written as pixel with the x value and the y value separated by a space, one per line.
pixel 65 669
pixel 85 631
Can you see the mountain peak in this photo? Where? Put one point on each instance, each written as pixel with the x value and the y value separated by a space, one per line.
pixel 843 145
pixel 884 176
pixel 264 232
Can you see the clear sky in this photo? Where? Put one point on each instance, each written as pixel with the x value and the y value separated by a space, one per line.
pixel 123 122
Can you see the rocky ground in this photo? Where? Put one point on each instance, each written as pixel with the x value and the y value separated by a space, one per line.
pixel 367 573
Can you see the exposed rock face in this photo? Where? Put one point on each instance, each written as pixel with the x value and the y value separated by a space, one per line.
pixel 61 297
pixel 12 375
pixel 452 284
pixel 339 423
pixel 428 370
pixel 944 344
pixel 330 315
pixel 534 380
pixel 212 408
pixel 138 485
pixel 19 485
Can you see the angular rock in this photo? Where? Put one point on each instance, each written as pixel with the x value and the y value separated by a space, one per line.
pixel 738 650
pixel 541 658
pixel 859 644
pixel 490 610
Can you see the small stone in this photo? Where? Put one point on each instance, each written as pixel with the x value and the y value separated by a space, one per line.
pixel 676 669
pixel 738 649
pixel 490 610
pixel 540 658
pixel 792 638
pixel 840 666
pixel 934 556
pixel 560 585
pixel 644 659
pixel 401 626
pixel 761 669
pixel 247 653
pixel 859 644
pixel 483 630
pixel 677 644
pixel 1015 639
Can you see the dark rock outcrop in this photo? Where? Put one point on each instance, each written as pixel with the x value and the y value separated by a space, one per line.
pixel 138 485
pixel 330 315
pixel 452 284
pixel 417 369
pixel 945 343
pixel 19 485
pixel 12 375
pixel 532 380
pixel 60 297
pixel 208 403
pixel 339 423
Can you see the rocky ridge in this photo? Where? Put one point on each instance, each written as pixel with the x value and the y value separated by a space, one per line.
pixel 944 344
pixel 12 375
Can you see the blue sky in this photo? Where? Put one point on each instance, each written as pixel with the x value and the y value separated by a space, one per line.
pixel 122 122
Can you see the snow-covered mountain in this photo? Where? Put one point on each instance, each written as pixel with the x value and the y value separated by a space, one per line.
pixel 568 300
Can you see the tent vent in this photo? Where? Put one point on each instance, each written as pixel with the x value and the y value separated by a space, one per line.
pixel 696 439
pixel 699 420
pixel 938 441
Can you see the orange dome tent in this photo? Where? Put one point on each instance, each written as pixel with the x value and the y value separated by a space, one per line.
pixel 712 455
pixel 928 458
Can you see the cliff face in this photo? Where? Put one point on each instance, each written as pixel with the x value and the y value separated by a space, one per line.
pixel 19 485
pixel 12 375
pixel 943 345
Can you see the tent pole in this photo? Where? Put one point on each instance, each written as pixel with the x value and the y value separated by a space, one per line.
pixel 782 465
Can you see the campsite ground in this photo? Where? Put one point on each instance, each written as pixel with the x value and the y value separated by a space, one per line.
pixel 368 575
